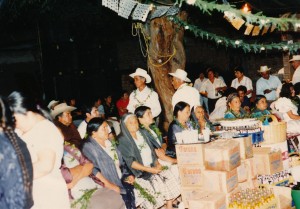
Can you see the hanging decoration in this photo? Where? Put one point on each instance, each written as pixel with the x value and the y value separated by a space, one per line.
pixel 159 11
pixel 246 47
pixel 126 7
pixel 257 19
pixel 111 4
pixel 141 12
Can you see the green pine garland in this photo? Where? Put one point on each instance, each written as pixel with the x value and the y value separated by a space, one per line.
pixel 144 193
pixel 84 200
pixel 258 18
pixel 220 40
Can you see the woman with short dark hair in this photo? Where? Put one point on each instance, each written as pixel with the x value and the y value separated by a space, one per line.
pixel 180 123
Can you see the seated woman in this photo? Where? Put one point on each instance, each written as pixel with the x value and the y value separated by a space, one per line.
pixel 261 107
pixel 140 156
pixel 180 123
pixel 287 108
pixel 109 166
pixel 199 119
pixel 234 109
pixel 77 171
pixel 151 131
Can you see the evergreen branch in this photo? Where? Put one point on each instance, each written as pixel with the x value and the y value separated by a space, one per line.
pixel 84 200
pixel 247 47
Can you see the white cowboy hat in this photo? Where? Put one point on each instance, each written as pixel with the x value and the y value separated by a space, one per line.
pixel 181 74
pixel 141 72
pixel 263 69
pixel 295 58
pixel 53 102
pixel 60 108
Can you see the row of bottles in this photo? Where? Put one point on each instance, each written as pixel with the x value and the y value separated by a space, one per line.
pixel 258 198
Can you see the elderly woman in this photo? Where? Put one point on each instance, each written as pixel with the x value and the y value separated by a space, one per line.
pixel 109 166
pixel 199 119
pixel 180 123
pixel 45 144
pixel 139 155
pixel 15 165
pixel 287 108
pixel 234 109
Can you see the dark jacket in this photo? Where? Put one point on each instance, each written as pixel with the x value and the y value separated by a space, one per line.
pixel 103 163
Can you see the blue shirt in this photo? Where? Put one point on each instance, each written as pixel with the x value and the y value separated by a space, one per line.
pixel 272 83
pixel 12 188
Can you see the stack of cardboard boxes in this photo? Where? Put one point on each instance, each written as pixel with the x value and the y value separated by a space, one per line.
pixel 209 172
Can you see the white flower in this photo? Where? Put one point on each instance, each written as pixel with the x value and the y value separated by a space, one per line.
pixel 219 41
pixel 262 48
pixel 237 42
pixel 186 27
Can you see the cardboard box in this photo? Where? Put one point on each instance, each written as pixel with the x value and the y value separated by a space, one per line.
pixel 267 161
pixel 188 193
pixel 188 154
pixel 242 172
pixel 249 184
pixel 251 168
pixel 246 149
pixel 208 200
pixel 222 155
pixel 283 146
pixel 284 196
pixel 278 179
pixel 190 175
pixel 220 181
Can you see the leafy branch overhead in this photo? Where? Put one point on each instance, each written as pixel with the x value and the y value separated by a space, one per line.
pixel 281 23
pixel 221 40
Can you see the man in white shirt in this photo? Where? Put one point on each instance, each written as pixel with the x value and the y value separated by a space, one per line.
pixel 295 61
pixel 197 85
pixel 242 80
pixel 90 112
pixel 184 92
pixel 143 95
pixel 267 84
pixel 212 89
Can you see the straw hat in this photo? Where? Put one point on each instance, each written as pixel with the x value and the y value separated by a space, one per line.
pixel 295 58
pixel 53 102
pixel 60 108
pixel 263 69
pixel 141 72
pixel 181 74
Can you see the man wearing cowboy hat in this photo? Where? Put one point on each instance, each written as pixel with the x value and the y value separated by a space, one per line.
pixel 63 120
pixel 143 95
pixel 268 84
pixel 184 92
pixel 212 89
pixel 295 61
pixel 52 104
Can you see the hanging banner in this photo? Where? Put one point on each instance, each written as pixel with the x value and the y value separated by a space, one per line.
pixel 159 11
pixel 141 12
pixel 126 7
pixel 113 5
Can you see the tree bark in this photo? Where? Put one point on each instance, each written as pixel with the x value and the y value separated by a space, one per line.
pixel 166 54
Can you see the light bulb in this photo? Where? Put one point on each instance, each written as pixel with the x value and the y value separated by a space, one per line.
pixel 191 2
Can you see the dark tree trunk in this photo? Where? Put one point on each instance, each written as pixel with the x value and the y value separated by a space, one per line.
pixel 166 54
